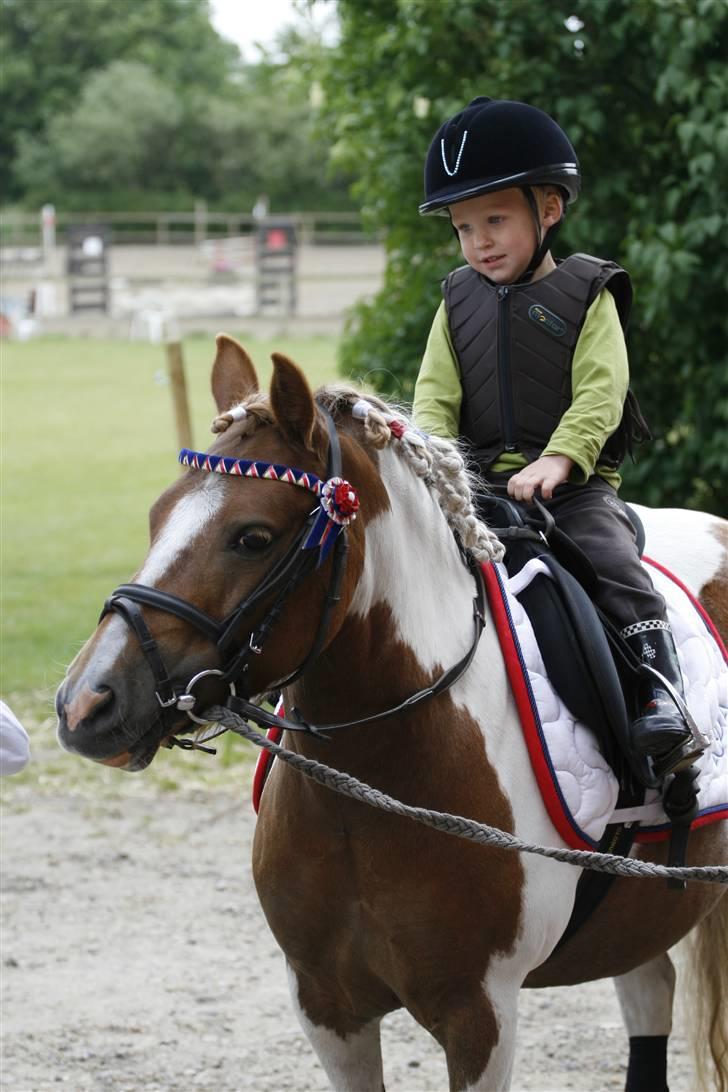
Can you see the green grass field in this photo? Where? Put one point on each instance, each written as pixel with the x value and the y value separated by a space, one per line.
pixel 88 442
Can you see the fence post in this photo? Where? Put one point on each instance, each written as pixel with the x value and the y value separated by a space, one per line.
pixel 176 369
pixel 48 231
pixel 200 222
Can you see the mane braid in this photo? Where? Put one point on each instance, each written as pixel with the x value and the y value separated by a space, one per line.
pixel 438 462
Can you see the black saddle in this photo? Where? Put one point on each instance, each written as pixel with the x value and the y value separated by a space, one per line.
pixel 578 652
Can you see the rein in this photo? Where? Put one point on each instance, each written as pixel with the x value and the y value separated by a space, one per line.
pixel 249 711
pixel 457 825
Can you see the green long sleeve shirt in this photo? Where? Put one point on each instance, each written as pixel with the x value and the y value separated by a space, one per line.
pixel 599 383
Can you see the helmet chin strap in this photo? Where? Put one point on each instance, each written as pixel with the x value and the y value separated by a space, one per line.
pixel 543 242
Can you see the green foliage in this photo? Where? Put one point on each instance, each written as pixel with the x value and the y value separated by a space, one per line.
pixel 49 49
pixel 120 132
pixel 141 104
pixel 642 89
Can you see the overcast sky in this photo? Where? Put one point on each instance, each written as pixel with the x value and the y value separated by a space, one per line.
pixel 248 22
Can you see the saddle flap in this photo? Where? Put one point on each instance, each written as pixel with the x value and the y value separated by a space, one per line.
pixel 578 659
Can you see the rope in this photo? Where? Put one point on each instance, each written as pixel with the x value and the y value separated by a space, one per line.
pixel 455 824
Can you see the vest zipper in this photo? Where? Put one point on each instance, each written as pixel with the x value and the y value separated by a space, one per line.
pixel 508 425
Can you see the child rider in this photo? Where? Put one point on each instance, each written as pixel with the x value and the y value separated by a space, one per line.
pixel 526 362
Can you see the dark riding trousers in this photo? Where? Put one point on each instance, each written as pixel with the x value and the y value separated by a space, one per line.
pixel 594 517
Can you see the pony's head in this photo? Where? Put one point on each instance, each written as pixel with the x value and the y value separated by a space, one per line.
pixel 256 552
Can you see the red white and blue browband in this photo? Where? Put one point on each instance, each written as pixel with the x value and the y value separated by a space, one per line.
pixel 338 499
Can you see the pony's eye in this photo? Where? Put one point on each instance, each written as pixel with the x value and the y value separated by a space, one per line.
pixel 254 540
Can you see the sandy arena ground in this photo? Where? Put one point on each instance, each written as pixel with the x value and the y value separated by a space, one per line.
pixel 135 957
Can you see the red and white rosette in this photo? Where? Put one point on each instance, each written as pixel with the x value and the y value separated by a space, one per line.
pixel 339 505
pixel 340 501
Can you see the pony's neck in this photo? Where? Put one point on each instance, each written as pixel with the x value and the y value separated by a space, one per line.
pixel 414 569
pixel 411 615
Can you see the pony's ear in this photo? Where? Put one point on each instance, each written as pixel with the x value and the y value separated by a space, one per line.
pixel 233 374
pixel 292 402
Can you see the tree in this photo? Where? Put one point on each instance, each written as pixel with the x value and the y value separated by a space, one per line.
pixel 140 104
pixel 48 50
pixel 119 132
pixel 642 89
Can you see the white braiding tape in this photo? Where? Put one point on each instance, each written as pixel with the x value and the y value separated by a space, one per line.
pixel 237 413
pixel 415 437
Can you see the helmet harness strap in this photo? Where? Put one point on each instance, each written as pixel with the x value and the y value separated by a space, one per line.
pixel 544 242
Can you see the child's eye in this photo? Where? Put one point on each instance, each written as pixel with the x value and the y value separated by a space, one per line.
pixel 496 219
pixel 463 229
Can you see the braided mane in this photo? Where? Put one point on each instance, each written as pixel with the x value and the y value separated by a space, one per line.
pixel 438 462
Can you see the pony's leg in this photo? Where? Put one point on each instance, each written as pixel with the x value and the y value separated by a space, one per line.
pixel 352 1061
pixel 645 998
pixel 478 1035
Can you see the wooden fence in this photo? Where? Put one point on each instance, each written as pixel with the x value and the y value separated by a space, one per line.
pixel 25 229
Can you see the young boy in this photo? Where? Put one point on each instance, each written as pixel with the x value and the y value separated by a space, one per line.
pixel 526 361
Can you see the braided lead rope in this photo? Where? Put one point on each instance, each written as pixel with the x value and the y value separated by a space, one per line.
pixel 454 824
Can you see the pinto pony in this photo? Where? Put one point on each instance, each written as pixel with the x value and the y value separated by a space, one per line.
pixel 372 911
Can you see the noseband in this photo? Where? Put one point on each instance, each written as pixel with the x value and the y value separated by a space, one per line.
pixel 323 532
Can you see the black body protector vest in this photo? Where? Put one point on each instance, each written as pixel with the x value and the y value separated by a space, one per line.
pixel 515 345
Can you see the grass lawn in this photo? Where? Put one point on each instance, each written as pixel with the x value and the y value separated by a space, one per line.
pixel 88 442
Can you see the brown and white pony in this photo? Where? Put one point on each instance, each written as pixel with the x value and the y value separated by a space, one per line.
pixel 372 911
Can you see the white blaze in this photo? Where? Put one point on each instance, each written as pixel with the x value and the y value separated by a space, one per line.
pixel 188 521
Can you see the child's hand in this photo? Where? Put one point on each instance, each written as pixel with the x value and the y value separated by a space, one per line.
pixel 544 474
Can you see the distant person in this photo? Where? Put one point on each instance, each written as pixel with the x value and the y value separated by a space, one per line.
pixel 14 742
pixel 526 361
pixel 261 207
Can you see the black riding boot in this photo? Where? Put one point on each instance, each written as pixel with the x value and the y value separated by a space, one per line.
pixel 660 731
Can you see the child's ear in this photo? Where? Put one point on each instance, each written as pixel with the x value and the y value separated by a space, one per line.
pixel 553 208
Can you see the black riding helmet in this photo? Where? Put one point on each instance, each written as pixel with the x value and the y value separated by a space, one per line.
pixel 492 145
pixel 495 144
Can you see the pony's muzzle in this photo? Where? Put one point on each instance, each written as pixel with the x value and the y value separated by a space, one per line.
pixel 85 714
pixel 84 706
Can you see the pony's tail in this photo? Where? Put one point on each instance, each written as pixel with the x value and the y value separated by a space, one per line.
pixel 706 1005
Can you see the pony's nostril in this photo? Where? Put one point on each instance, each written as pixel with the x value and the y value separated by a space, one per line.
pixel 85 705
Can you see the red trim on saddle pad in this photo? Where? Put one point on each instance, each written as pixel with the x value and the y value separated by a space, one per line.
pixel 710 625
pixel 263 765
pixel 530 722
pixel 661 834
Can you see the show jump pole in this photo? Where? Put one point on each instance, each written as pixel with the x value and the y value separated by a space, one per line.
pixel 176 369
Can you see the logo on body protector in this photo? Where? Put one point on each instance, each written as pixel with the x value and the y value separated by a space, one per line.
pixel 547 320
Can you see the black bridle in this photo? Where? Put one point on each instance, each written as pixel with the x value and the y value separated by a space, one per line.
pixel 286 575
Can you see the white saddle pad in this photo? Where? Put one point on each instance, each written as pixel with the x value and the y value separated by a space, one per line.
pixel 579 788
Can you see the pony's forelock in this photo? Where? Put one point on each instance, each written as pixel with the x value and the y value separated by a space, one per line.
pixel 250 414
